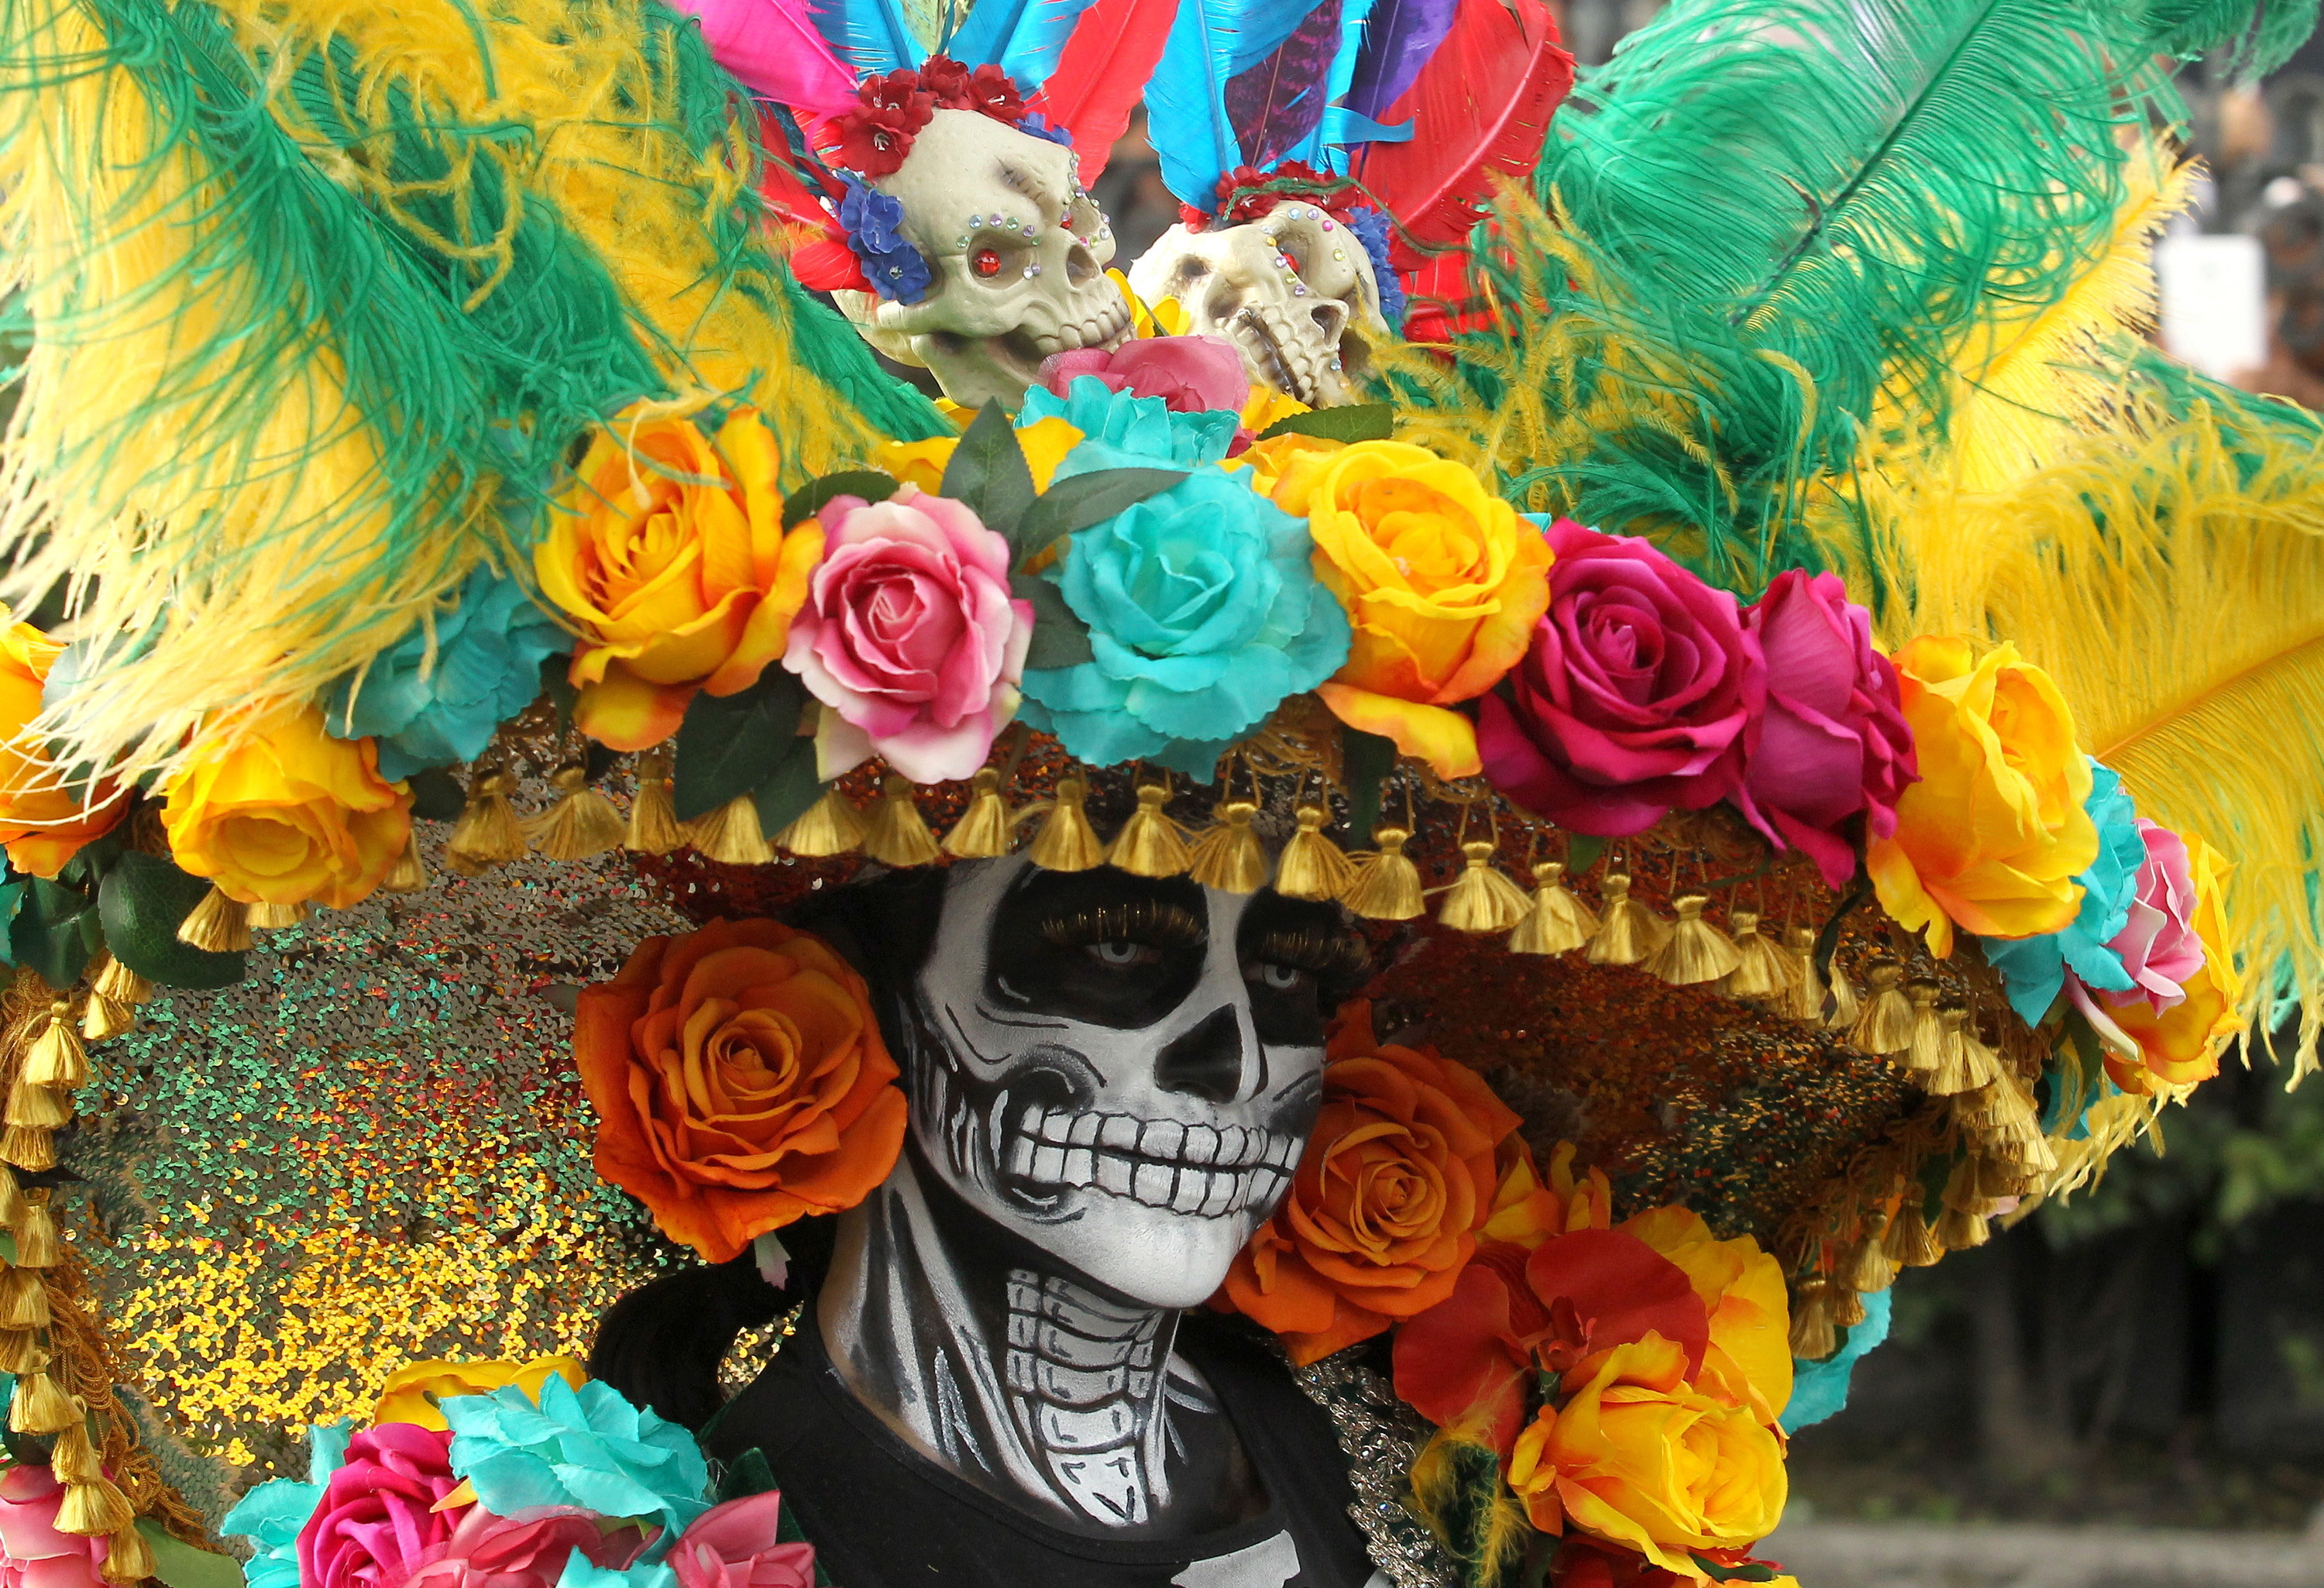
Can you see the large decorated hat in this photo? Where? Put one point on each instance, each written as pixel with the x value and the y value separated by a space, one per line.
pixel 1812 720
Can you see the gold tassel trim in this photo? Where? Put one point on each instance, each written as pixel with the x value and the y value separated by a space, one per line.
pixel 24 1299
pixel 1847 1308
pixel 409 874
pixel 654 826
pixel 128 1559
pixel 219 925
pixel 57 1057
pixel 730 834
pixel 35 1232
pixel 1885 1028
pixel 829 826
pixel 1873 1270
pixel 899 835
pixel 21 1352
pixel 1847 1007
pixel 106 1019
pixel 1926 1051
pixel 1066 842
pixel 1387 882
pixel 92 1509
pixel 1763 972
pixel 983 828
pixel 1811 1335
pixel 73 1456
pixel 1481 899
pixel 276 917
pixel 1960 1230
pixel 1908 1241
pixel 1312 866
pixel 1558 922
pixel 118 982
pixel 37 1107
pixel 11 1200
pixel 488 833
pixel 29 1146
pixel 40 1406
pixel 580 824
pixel 1150 845
pixel 1627 931
pixel 1804 1000
pixel 1229 856
pixel 1695 951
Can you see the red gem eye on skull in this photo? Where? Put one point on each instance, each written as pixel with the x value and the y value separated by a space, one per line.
pixel 985 262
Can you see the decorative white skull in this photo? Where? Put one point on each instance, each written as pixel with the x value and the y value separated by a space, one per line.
pixel 1017 251
pixel 1293 291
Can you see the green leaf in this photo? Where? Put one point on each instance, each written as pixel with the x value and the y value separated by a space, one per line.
pixel 747 1475
pixel 1081 501
pixel 557 683
pixel 1367 758
pixel 813 497
pixel 1361 422
pixel 785 797
pixel 12 899
pixel 181 1565
pixel 1060 639
pixel 730 744
pixel 1581 852
pixel 47 932
pixel 988 471
pixel 1750 1571
pixel 95 858
pixel 436 795
pixel 142 900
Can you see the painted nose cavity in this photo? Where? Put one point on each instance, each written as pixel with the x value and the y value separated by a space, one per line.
pixel 1207 1061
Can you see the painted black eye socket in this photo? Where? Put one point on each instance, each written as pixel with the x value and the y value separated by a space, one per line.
pixel 1100 945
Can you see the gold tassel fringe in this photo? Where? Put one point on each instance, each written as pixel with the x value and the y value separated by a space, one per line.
pixel 1872 1269
pixel 1481 899
pixel 11 1200
pixel 1812 1336
pixel 898 834
pixel 128 1559
pixel 730 834
pixel 654 826
pixel 29 1146
pixel 35 1232
pixel 40 1406
pixel 1907 1241
pixel 118 982
pixel 1695 951
pixel 1847 1308
pixel 1066 842
pixel 94 1508
pixel 1804 1002
pixel 829 826
pixel 24 1299
pixel 1229 856
pixel 106 1019
pixel 276 917
pixel 1847 1008
pixel 57 1057
pixel 1629 931
pixel 40 1107
pixel 1387 883
pixel 488 833
pixel 1885 1028
pixel 1150 845
pixel 73 1456
pixel 1925 1048
pixel 21 1352
pixel 581 823
pixel 409 874
pixel 1312 866
pixel 1558 922
pixel 219 925
pixel 983 828
pixel 1763 973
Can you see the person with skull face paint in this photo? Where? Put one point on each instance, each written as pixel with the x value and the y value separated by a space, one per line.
pixel 1111 1079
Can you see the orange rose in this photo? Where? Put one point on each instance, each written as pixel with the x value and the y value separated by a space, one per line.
pixel 1525 1212
pixel 43 820
pixel 1641 1457
pixel 1384 1209
pixel 668 551
pixel 740 1082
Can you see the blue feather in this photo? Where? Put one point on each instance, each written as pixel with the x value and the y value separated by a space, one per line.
pixel 869 35
pixel 1024 38
pixel 1186 121
pixel 1321 148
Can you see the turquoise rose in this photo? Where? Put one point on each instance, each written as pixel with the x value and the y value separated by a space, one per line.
pixel 2034 969
pixel 489 648
pixel 1120 430
pixel 1204 613
pixel 588 1447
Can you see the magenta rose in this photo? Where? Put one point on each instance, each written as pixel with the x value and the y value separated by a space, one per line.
pixel 1191 374
pixel 1833 742
pixel 1642 690
pixel 33 1553
pixel 525 1551
pixel 733 1546
pixel 909 637
pixel 377 1521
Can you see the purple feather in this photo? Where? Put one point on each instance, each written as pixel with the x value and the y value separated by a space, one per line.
pixel 1278 102
pixel 1399 36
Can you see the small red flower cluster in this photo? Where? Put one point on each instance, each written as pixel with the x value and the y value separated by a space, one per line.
pixel 1246 193
pixel 873 139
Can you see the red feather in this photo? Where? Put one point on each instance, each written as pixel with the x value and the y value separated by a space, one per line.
pixel 1481 105
pixel 1101 73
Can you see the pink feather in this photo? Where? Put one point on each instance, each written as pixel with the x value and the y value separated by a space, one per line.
pixel 1480 106
pixel 1101 73
pixel 776 52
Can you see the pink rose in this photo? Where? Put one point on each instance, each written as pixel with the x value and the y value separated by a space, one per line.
pixel 526 1551
pixel 910 636
pixel 733 1546
pixel 2159 945
pixel 1191 374
pixel 1641 690
pixel 1833 742
pixel 377 1519
pixel 33 1553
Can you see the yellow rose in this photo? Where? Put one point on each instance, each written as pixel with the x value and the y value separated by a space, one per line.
pixel 2181 1044
pixel 43 820
pixel 922 462
pixel 276 811
pixel 1641 1458
pixel 1742 1290
pixel 1993 835
pixel 669 552
pixel 1441 580
pixel 1283 468
pixel 411 1393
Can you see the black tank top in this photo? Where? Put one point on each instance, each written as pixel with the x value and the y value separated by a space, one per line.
pixel 880 1515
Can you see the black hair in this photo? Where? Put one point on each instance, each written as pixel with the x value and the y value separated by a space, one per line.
pixel 660 1345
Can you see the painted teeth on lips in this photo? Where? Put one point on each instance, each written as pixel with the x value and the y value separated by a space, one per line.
pixel 1199 1170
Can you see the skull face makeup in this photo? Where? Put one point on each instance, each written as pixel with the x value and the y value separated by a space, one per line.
pixel 1293 291
pixel 1125 1071
pixel 1016 250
